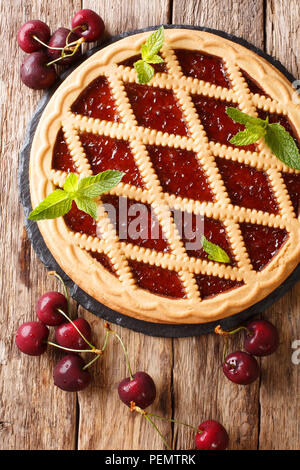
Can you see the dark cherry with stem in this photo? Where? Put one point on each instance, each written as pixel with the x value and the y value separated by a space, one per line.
pixel 28 33
pixel 35 71
pixel 48 307
pixel 261 338
pixel 139 387
pixel 59 40
pixel 212 436
pixel 76 334
pixel 241 368
pixel 88 24
pixel 31 338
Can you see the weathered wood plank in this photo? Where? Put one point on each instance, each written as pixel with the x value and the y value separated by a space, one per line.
pixel 36 415
pixel 105 423
pixel 200 389
pixel 279 394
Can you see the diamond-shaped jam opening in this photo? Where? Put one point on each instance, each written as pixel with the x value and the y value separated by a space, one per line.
pixel 246 186
pixel 292 182
pixel 210 286
pixel 103 259
pixel 79 221
pixel 97 101
pixel 253 85
pixel 262 243
pixel 180 173
pixel 156 108
pixel 158 68
pixel 281 119
pixel 105 153
pixel 61 158
pixel 191 227
pixel 219 127
pixel 157 280
pixel 135 222
pixel 203 66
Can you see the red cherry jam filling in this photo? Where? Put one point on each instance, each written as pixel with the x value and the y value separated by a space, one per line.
pixel 281 119
pixel 262 243
pixel 253 85
pixel 157 280
pixel 158 68
pixel 247 186
pixel 180 173
pixel 135 222
pixel 219 127
pixel 156 108
pixel 292 182
pixel 105 153
pixel 96 101
pixel 104 260
pixel 79 221
pixel 203 66
pixel 210 286
pixel 62 159
pixel 191 227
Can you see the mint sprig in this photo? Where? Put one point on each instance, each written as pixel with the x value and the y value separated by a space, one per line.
pixel 277 138
pixel 149 52
pixel 82 191
pixel 215 252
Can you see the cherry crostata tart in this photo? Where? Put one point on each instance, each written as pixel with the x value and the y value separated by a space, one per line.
pixel 170 138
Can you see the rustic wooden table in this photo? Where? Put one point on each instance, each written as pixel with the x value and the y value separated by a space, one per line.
pixel 36 415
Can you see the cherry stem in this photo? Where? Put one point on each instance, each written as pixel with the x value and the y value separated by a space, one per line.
pixel 66 48
pixel 98 355
pixel 221 332
pixel 158 431
pixel 94 350
pixel 174 421
pixel 108 328
pixel 78 330
pixel 54 273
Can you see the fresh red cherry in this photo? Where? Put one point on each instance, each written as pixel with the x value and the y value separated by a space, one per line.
pixel 58 39
pixel 262 338
pixel 66 334
pixel 69 375
pixel 35 72
pixel 31 338
pixel 27 32
pixel 92 26
pixel 213 436
pixel 47 308
pixel 141 390
pixel 241 368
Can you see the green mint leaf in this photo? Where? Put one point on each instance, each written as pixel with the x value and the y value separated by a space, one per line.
pixel 250 135
pixel 154 43
pixel 215 252
pixel 156 59
pixel 144 71
pixel 145 52
pixel 71 183
pixel 243 118
pixel 93 186
pixel 87 205
pixel 282 144
pixel 58 203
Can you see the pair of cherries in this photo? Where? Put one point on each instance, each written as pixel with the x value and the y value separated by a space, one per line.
pixel 63 46
pixel 138 391
pixel 261 338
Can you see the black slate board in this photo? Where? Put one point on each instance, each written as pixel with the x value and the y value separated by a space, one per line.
pixel 34 235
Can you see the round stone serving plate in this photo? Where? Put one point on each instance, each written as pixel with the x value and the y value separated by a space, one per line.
pixel 34 235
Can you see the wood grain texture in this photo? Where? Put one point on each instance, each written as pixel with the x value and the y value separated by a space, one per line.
pixel 31 408
pixel 190 384
pixel 280 384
